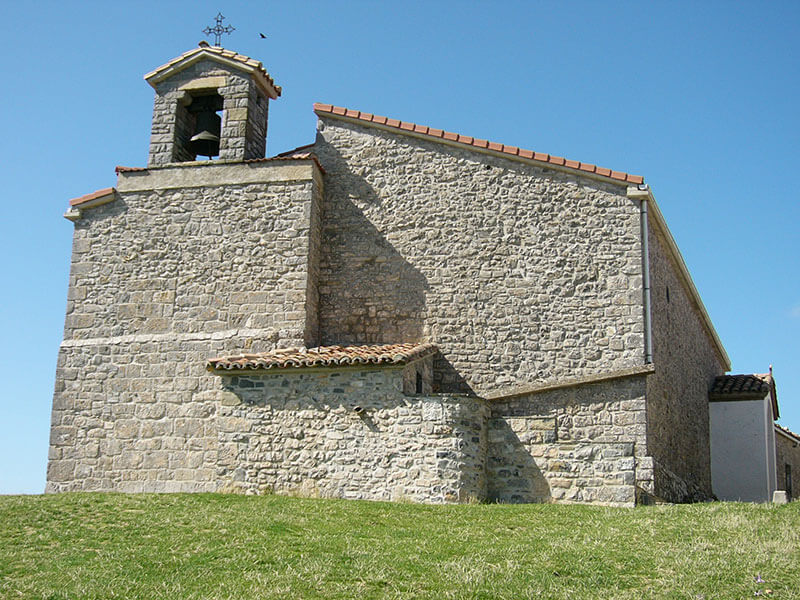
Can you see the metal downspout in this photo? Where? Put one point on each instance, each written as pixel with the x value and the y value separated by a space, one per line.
pixel 648 321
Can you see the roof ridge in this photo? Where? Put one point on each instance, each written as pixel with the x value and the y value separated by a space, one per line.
pixel 294 150
pixel 447 136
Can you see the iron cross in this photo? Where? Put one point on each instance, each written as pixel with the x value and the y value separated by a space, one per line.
pixel 218 29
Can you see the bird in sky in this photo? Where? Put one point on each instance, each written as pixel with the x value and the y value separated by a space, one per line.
pixel 263 37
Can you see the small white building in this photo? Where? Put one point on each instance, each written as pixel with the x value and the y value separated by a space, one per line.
pixel 743 409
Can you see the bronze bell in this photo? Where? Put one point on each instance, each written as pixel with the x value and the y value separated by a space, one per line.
pixel 205 142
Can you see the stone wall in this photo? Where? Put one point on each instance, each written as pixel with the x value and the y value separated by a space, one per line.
pixel 350 433
pixel 163 278
pixel 132 414
pixel 578 443
pixel 517 273
pixel 126 419
pixel 211 258
pixel 686 364
pixel 314 217
pixel 787 452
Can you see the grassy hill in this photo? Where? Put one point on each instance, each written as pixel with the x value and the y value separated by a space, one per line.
pixel 227 546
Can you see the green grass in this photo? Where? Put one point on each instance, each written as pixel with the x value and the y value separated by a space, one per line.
pixel 227 546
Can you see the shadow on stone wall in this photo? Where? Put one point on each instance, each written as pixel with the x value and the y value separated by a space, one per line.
pixel 369 293
pixel 447 380
pixel 512 474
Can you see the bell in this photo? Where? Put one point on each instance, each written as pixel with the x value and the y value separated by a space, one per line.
pixel 206 141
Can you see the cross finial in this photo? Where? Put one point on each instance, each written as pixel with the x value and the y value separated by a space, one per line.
pixel 218 29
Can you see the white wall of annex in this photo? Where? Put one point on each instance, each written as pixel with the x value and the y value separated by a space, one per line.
pixel 742 453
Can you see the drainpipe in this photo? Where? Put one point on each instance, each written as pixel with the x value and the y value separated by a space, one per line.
pixel 642 193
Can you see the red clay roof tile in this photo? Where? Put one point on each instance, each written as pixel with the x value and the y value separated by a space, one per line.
pixel 788 432
pixel 188 56
pixel 282 157
pixel 120 169
pixel 320 108
pixel 295 154
pixel 294 151
pixel 757 384
pixel 323 356
pixel 92 196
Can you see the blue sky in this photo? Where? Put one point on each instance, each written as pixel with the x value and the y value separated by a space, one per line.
pixel 700 98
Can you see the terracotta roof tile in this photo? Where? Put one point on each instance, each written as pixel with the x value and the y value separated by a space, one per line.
pixel 295 154
pixel 788 432
pixel 477 143
pixel 93 196
pixel 746 387
pixel 189 57
pixel 742 385
pixel 294 151
pixel 282 157
pixel 120 169
pixel 323 356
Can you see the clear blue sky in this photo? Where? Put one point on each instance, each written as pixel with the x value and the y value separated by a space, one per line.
pixel 700 98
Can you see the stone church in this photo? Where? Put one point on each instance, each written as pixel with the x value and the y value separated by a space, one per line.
pixel 390 312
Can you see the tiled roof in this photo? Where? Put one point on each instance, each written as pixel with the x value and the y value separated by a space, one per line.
pixel 788 432
pixel 298 150
pixel 447 136
pixel 93 196
pixel 323 356
pixel 742 385
pixel 287 156
pixel 190 57
pixel 746 387
pixel 280 157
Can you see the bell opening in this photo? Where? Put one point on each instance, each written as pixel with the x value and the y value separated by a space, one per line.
pixel 207 114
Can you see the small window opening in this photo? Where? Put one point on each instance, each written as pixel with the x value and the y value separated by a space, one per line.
pixel 419 383
pixel 667 293
pixel 788 480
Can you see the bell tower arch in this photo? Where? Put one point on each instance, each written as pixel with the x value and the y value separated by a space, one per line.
pixel 210 102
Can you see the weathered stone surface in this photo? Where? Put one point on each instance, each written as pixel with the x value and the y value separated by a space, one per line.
pixel 309 438
pixel 200 260
pixel 518 273
pixel 677 393
pixel 560 445
pixel 787 461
